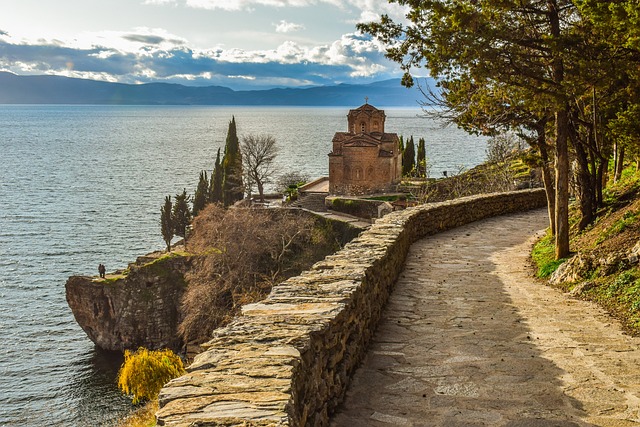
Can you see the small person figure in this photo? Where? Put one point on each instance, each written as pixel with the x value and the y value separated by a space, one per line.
pixel 102 270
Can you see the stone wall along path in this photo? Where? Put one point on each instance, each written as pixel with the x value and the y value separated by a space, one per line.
pixel 468 338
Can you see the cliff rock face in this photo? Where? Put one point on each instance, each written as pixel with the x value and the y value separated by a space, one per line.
pixel 140 308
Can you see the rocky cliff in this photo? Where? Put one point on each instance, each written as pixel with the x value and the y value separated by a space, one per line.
pixel 138 308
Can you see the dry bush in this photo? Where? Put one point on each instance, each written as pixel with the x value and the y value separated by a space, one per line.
pixel 241 254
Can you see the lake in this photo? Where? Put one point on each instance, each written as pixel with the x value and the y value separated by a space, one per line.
pixel 82 185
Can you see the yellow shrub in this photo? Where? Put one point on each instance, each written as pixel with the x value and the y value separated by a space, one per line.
pixel 144 372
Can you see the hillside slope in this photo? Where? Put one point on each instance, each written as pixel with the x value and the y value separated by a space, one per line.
pixel 605 268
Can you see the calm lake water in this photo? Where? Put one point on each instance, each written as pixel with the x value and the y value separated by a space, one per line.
pixel 81 185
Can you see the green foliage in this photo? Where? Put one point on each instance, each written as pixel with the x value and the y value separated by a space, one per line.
pixel 200 198
pixel 145 372
pixel 232 187
pixel 620 294
pixel 215 187
pixel 543 255
pixel 421 160
pixel 291 179
pixel 181 214
pixel 409 158
pixel 166 222
pixel 628 219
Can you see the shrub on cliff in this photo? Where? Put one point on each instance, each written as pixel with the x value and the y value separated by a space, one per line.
pixel 144 372
pixel 241 254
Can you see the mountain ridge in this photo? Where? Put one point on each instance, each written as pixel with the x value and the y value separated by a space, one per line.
pixel 44 89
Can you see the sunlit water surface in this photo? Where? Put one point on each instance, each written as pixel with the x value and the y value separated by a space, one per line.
pixel 80 185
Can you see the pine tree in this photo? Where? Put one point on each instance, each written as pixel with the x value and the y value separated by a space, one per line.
pixel 166 222
pixel 181 214
pixel 232 166
pixel 408 158
pixel 421 161
pixel 200 198
pixel 215 188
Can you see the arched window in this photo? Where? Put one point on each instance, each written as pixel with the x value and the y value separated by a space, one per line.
pixel 376 126
pixel 363 127
pixel 357 174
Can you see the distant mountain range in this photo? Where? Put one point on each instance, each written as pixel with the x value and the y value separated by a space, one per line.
pixel 16 89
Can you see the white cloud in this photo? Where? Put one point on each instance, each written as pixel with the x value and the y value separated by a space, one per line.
pixel 148 54
pixel 160 2
pixel 369 9
pixel 288 27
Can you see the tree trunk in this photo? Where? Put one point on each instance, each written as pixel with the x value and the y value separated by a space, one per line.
pixel 619 164
pixel 562 136
pixel 562 184
pixel 547 176
pixel 260 190
pixel 586 195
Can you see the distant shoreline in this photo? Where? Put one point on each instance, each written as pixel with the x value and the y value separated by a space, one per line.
pixel 57 90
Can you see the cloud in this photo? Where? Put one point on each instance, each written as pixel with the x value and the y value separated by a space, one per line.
pixel 368 10
pixel 148 55
pixel 237 5
pixel 150 39
pixel 288 27
pixel 161 2
pixel 3 33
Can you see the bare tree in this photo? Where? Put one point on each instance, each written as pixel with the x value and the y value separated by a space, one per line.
pixel 258 154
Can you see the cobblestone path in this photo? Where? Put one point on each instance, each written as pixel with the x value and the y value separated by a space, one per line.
pixel 470 339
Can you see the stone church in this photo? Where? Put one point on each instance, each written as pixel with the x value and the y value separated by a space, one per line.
pixel 365 159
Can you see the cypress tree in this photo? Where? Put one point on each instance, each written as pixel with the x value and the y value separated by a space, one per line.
pixel 408 158
pixel 181 214
pixel 232 167
pixel 215 189
pixel 166 222
pixel 421 161
pixel 200 199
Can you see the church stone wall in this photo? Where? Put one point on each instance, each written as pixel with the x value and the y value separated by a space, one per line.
pixel 364 160
pixel 287 360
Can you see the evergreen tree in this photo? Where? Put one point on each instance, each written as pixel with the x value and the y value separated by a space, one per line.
pixel 421 161
pixel 200 198
pixel 408 158
pixel 401 144
pixel 181 214
pixel 232 167
pixel 215 188
pixel 166 222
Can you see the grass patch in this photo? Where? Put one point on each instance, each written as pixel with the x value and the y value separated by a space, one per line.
pixel 628 219
pixel 544 256
pixel 619 294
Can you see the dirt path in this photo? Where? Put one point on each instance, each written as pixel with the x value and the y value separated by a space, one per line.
pixel 469 339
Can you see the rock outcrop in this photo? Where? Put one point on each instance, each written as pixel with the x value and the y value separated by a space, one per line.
pixel 141 307
pixel 126 311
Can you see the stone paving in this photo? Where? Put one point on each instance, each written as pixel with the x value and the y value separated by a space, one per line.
pixel 469 338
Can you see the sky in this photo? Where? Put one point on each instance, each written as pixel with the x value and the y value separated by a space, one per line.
pixel 242 44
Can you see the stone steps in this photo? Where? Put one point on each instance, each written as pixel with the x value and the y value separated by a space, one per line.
pixel 313 202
